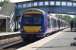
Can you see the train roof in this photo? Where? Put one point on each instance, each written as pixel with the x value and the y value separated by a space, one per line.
pixel 34 9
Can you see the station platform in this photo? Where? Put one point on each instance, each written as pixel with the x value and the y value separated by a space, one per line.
pixel 8 33
pixel 59 41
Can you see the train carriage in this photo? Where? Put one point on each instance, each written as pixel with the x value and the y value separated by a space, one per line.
pixel 35 23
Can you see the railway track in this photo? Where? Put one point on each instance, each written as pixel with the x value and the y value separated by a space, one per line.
pixel 13 41
pixel 21 44
pixel 10 41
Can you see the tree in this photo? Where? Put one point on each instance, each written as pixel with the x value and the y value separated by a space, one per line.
pixel 3 2
pixel 64 17
pixel 67 18
pixel 74 19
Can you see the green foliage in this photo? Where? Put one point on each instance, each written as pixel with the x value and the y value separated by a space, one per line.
pixel 4 2
pixel 74 19
pixel 1 3
pixel 65 17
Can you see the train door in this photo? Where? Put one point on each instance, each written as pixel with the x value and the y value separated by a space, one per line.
pixel 59 24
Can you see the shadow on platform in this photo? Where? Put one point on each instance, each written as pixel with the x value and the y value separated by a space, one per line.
pixel 71 31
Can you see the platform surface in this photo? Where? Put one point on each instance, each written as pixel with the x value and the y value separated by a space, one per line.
pixel 9 33
pixel 59 41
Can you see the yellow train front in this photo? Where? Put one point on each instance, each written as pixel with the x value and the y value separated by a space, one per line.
pixel 32 24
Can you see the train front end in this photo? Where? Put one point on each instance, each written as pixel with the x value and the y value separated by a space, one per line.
pixel 32 24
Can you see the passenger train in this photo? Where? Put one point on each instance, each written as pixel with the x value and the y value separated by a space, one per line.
pixel 36 23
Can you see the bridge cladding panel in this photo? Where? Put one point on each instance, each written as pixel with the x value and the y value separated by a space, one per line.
pixel 52 6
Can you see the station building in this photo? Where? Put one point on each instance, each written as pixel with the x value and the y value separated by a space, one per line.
pixel 7 17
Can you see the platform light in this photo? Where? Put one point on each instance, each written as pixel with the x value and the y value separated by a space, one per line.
pixel 57 3
pixel 52 2
pixel 63 3
pixel 69 3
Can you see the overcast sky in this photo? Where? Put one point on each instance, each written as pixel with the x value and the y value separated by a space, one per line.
pixel 23 0
pixel 16 0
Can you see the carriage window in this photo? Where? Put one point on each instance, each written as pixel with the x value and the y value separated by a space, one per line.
pixel 49 23
pixel 58 22
pixel 53 22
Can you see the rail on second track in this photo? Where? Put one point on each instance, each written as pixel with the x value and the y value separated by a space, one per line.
pixel 9 38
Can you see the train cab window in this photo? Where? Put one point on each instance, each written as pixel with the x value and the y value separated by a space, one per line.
pixel 34 19
pixel 37 20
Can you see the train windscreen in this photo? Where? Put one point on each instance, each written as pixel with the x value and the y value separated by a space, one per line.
pixel 32 19
pixel 32 22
